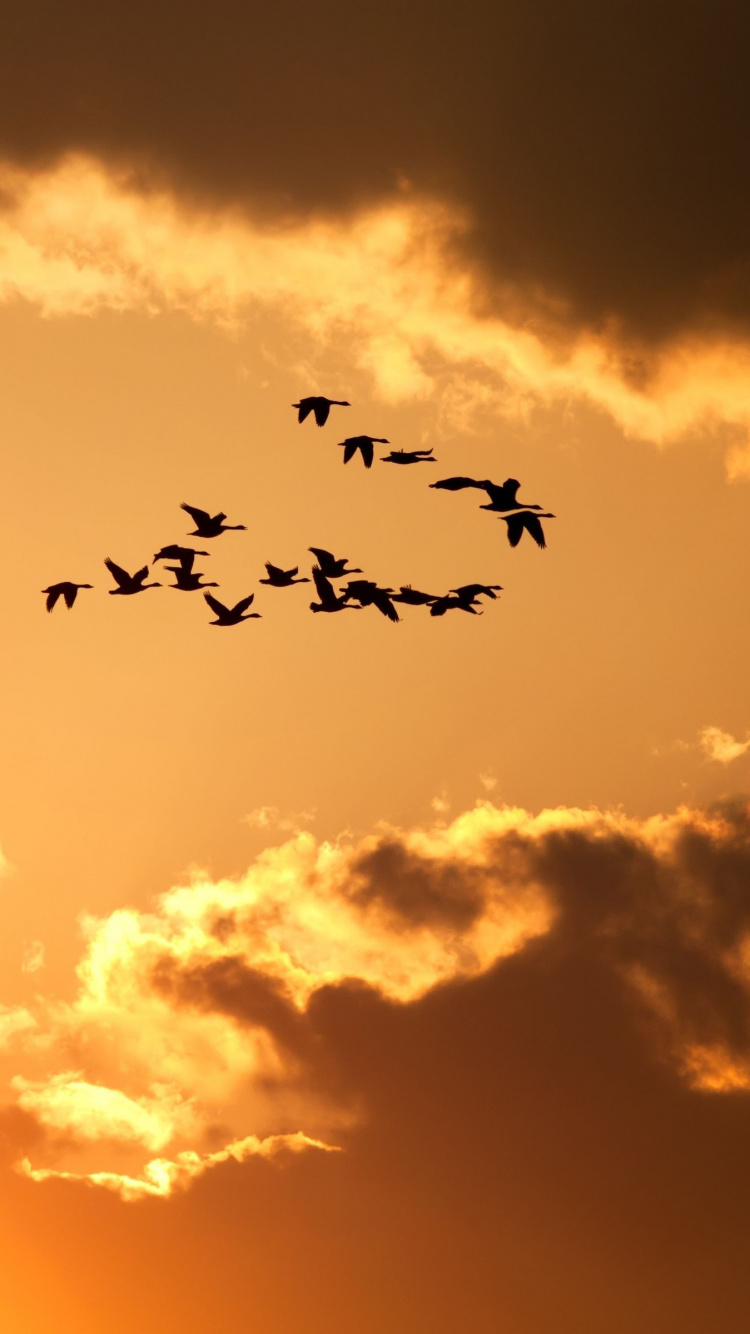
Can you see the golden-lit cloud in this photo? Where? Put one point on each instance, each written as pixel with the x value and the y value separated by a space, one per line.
pixel 79 238
pixel 722 746
pixel 194 1024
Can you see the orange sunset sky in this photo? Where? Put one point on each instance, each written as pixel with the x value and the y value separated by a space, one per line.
pixel 363 977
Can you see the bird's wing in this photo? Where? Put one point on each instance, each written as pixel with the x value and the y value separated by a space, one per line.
pixel 323 557
pixel 217 607
pixel 439 607
pixel 367 450
pixel 510 487
pixel 456 484
pixel 384 605
pixel 119 575
pixel 350 449
pixel 422 453
pixel 273 570
pixel 515 529
pixel 243 604
pixel 304 407
pixel 186 557
pixel 140 575
pixel 198 516
pixel 70 593
pixel 325 589
pixel 321 410
pixel 52 596
pixel 534 528
pixel 292 573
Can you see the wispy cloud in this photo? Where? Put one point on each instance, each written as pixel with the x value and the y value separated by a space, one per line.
pixel 722 746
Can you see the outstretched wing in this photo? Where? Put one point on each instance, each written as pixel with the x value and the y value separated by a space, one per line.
pixel 325 589
pixel 198 516
pixel 321 408
pixel 305 407
pixel 119 575
pixel 534 527
pixel 440 606
pixel 384 605
pixel 457 484
pixel 243 604
pixel 323 557
pixel 53 594
pixel 350 449
pixel 515 529
pixel 422 453
pixel 367 449
pixel 70 593
pixel 140 575
pixel 274 572
pixel 217 607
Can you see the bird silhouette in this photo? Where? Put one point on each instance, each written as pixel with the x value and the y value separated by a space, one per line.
pixel 231 615
pixel 279 578
pixel 189 581
pixel 412 597
pixel 530 522
pixel 368 594
pixel 330 566
pixel 328 599
pixel 408 456
pixel 128 584
pixel 366 446
pixel 320 406
pixel 461 602
pixel 474 591
pixel 185 555
pixel 207 525
pixel 65 590
pixel 501 497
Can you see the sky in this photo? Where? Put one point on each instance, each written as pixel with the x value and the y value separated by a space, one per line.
pixel 358 975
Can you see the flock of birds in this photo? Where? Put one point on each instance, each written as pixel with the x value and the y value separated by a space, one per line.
pixel 357 593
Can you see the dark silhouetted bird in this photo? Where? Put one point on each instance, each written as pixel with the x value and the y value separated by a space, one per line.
pixel 65 590
pixel 412 597
pixel 330 566
pixel 128 583
pixel 518 522
pixel 328 599
pixel 207 525
pixel 368 594
pixel 408 456
pixel 473 591
pixel 185 555
pixel 461 602
pixel 366 446
pixel 501 497
pixel 279 578
pixel 231 615
pixel 320 406
pixel 189 581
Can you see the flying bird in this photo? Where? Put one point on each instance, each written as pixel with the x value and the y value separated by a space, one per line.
pixel 460 602
pixel 65 590
pixel 207 525
pixel 473 591
pixel 330 566
pixel 185 555
pixel 501 497
pixel 231 615
pixel 368 594
pixel 412 597
pixel 366 446
pixel 128 583
pixel 530 522
pixel 320 406
pixel 189 581
pixel 408 456
pixel 279 578
pixel 328 599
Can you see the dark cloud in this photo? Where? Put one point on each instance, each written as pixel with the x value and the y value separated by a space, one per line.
pixel 601 149
pixel 419 891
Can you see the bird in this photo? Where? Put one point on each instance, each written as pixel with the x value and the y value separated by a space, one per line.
pixel 66 590
pixel 474 591
pixel 189 581
pixel 231 615
pixel 517 522
pixel 412 596
pixel 330 566
pixel 207 525
pixel 185 555
pixel 366 446
pixel 368 594
pixel 461 602
pixel 128 583
pixel 279 578
pixel 501 497
pixel 328 599
pixel 408 456
pixel 320 406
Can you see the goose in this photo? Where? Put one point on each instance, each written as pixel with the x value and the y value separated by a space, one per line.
pixel 279 578
pixel 368 594
pixel 328 599
pixel 207 525
pixel 473 591
pixel 408 456
pixel 330 566
pixel 458 603
pixel 128 583
pixel 366 446
pixel 189 581
pixel 320 406
pixel 65 590
pixel 518 522
pixel 501 497
pixel 185 555
pixel 231 615
pixel 412 596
